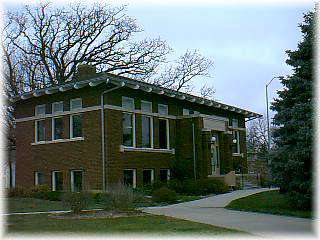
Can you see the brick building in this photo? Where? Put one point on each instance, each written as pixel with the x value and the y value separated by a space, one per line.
pixel 61 142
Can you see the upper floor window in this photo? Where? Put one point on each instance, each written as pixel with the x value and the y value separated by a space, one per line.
pixel 236 142
pixel 164 133
pixel 128 129
pixel 128 103
pixel 76 126
pixel 57 107
pixel 147 131
pixel 57 128
pixel 146 106
pixel 163 109
pixel 235 123
pixel 40 110
pixel 40 130
pixel 75 104
pixel 185 112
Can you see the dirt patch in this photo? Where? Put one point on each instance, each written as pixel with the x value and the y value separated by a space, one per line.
pixel 97 214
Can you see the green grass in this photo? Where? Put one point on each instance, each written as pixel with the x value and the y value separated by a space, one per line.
pixel 32 205
pixel 39 224
pixel 268 202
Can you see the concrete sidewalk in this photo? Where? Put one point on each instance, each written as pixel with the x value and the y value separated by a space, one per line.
pixel 211 211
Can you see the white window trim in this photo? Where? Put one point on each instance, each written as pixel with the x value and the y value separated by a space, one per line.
pixel 168 131
pixel 36 131
pixel 72 178
pixel 75 99
pixel 185 112
pixel 238 142
pixel 36 180
pixel 168 172
pixel 146 102
pixel 134 180
pixel 163 105
pixel 53 178
pixel 151 131
pixel 55 103
pixel 152 173
pixel 53 129
pixel 133 128
pixel 36 110
pixel 127 98
pixel 71 126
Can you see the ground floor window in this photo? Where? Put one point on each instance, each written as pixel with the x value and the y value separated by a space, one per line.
pixel 148 176
pixel 76 180
pixel 57 181
pixel 129 177
pixel 38 178
pixel 164 175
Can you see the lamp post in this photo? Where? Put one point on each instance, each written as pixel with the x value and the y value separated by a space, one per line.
pixel 268 123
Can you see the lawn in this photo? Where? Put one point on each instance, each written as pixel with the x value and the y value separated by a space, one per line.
pixel 39 224
pixel 268 202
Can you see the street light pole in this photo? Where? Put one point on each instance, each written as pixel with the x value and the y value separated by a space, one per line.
pixel 268 122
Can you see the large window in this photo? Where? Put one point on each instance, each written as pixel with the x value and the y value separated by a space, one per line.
pixel 163 109
pixel 129 177
pixel 75 104
pixel 236 142
pixel 40 110
pixel 57 107
pixel 57 181
pixel 57 126
pixel 164 175
pixel 128 129
pixel 164 133
pixel 147 131
pixel 127 103
pixel 148 177
pixel 76 126
pixel 76 180
pixel 40 130
pixel 39 178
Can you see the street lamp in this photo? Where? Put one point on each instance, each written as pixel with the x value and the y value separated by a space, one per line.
pixel 268 124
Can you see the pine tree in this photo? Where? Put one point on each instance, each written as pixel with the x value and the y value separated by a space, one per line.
pixel 292 156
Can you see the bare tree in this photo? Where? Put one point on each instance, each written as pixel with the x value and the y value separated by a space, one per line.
pixel 178 76
pixel 257 136
pixel 207 92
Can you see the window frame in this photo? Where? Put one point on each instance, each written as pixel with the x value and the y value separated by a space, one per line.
pixel 163 105
pixel 167 133
pixel 53 128
pixel 133 129
pixel 146 102
pixel 36 123
pixel 75 99
pixel 185 112
pixel 36 113
pixel 127 98
pixel 72 187
pixel 36 178
pixel 168 173
pixel 151 132
pixel 56 103
pixel 71 126
pixel 134 179
pixel 152 175
pixel 53 178
pixel 235 120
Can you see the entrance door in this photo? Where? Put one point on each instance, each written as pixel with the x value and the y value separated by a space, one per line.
pixel 215 157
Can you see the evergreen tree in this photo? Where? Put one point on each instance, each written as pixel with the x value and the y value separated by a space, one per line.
pixel 292 156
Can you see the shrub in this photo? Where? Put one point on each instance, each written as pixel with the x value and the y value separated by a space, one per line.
pixel 76 201
pixel 98 197
pixel 18 192
pixel 164 195
pixel 121 197
pixel 40 191
pixel 54 196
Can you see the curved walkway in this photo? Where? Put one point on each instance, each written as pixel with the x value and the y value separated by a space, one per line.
pixel 211 211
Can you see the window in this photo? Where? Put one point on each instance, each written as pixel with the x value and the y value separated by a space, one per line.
pixel 76 126
pixel 128 130
pixel 75 104
pixel 38 178
pixel 164 175
pixel 40 110
pixel 57 107
pixel 148 176
pixel 164 133
pixel 76 180
pixel 129 177
pixel 185 112
pixel 57 126
pixel 163 109
pixel 236 142
pixel 40 130
pixel 57 181
pixel 146 107
pixel 127 103
pixel 235 123
pixel 147 131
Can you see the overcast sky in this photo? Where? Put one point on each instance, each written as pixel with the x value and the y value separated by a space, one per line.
pixel 247 42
